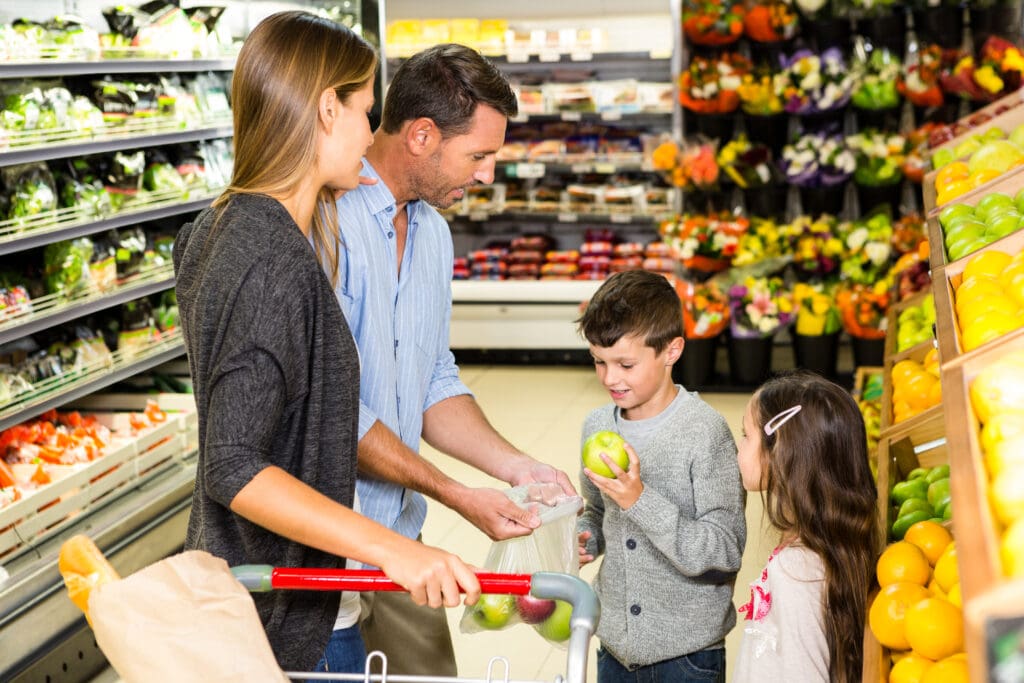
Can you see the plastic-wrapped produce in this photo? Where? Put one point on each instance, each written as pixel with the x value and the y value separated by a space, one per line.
pixel 30 191
pixel 66 266
pixel 81 188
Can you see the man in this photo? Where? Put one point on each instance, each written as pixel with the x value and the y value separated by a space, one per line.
pixel 443 122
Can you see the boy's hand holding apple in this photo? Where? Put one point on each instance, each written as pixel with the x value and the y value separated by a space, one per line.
pixel 585 557
pixel 624 486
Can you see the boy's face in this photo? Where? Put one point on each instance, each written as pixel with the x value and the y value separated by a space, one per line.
pixel 638 380
pixel 749 452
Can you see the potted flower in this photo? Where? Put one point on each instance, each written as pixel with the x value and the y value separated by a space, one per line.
pixel 868 245
pixel 863 309
pixel 921 83
pixel 1000 18
pixel 882 22
pixel 705 317
pixel 876 100
pixel 816 248
pixel 878 176
pixel 768 24
pixel 763 240
pixel 704 244
pixel 688 165
pixel 751 167
pixel 817 88
pixel 713 23
pixel 708 90
pixel 764 117
pixel 996 72
pixel 817 329
pixel 820 167
pixel 940 22
pixel 759 307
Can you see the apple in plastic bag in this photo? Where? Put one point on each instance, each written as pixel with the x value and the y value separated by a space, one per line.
pixel 609 443
pixel 534 610
pixel 557 627
pixel 493 611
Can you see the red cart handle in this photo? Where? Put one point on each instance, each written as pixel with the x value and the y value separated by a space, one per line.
pixel 261 578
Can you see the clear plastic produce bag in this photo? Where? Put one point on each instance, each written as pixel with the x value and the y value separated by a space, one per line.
pixel 551 547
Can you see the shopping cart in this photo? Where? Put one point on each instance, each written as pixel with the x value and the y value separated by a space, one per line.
pixel 544 585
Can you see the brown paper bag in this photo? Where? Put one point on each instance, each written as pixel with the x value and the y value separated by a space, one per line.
pixel 185 618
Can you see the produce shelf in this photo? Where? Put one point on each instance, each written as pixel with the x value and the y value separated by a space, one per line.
pixel 644 118
pixel 53 309
pixel 19 235
pixel 538 168
pixel 563 217
pixel 72 143
pixel 57 391
pixel 893 324
pixel 910 425
pixel 81 65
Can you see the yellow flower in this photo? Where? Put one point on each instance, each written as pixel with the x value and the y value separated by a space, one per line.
pixel 1013 60
pixel 988 79
pixel 785 305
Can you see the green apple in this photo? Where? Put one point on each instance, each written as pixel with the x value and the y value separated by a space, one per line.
pixel 991 201
pixel 609 443
pixel 993 133
pixel 493 611
pixel 966 148
pixel 913 488
pixel 928 310
pixel 947 511
pixel 1019 201
pixel 942 157
pixel 1017 135
pixel 900 526
pixel 1002 226
pixel 995 155
pixel 558 626
pixel 971 227
pixel 917 473
pixel 964 247
pixel 936 473
pixel 938 492
pixel 913 505
pixel 954 210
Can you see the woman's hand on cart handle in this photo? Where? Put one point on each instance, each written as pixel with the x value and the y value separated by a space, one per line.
pixel 433 576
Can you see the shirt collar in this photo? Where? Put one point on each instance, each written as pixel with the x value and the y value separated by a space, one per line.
pixel 378 197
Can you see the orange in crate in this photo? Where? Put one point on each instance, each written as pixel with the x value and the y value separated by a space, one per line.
pixel 915 386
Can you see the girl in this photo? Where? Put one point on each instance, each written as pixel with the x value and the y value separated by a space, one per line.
pixel 804 449
pixel 274 366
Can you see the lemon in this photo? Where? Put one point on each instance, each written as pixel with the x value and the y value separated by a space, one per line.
pixel 955 596
pixel 988 326
pixel 935 628
pixel 950 670
pixel 976 306
pixel 999 387
pixel 902 562
pixel 1004 453
pixel 930 537
pixel 886 616
pixel 1001 427
pixel 909 669
pixel 1007 494
pixel 1011 549
pixel 946 572
pixel 989 264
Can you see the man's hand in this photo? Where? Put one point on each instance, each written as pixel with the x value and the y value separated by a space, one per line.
pixel 585 557
pixel 432 576
pixel 626 487
pixel 530 471
pixel 495 514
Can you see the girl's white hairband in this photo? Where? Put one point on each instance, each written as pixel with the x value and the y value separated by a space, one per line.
pixel 782 418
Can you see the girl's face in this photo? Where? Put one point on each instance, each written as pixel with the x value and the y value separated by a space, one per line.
pixel 341 156
pixel 750 455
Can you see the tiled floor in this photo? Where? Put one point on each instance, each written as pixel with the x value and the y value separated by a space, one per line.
pixel 541 410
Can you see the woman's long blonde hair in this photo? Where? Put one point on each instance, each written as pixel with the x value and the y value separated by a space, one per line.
pixel 284 65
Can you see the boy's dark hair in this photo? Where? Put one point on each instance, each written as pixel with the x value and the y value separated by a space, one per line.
pixel 635 302
pixel 445 83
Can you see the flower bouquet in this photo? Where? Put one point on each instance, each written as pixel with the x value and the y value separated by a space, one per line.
pixel 705 316
pixel 921 83
pixel 704 244
pixel 713 22
pixel 709 88
pixel 878 175
pixel 817 88
pixel 876 100
pixel 996 72
pixel 751 168
pixel 688 165
pixel 763 240
pixel 868 248
pixel 817 250
pixel 816 333
pixel 759 307
pixel 863 309
pixel 764 117
pixel 911 272
pixel 820 167
pixel 770 21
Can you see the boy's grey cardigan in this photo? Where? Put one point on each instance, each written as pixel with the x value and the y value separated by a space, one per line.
pixel 670 560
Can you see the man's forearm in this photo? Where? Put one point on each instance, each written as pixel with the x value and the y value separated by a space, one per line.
pixel 382 455
pixel 458 427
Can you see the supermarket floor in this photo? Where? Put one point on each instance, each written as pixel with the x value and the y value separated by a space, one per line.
pixel 541 409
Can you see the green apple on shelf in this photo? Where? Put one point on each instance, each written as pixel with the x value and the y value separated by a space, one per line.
pixel 914 324
pixel 966 228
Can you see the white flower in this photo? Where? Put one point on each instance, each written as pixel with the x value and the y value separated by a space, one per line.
pixel 811 81
pixel 878 252
pixel 689 247
pixel 845 162
pixel 810 6
pixel 731 82
pixel 857 239
pixel 766 324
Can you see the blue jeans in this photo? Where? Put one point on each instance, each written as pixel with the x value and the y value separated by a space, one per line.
pixel 706 665
pixel 345 653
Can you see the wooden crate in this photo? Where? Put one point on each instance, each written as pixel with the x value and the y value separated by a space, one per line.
pixel 897 457
pixel 1006 120
pixel 931 208
pixel 876 658
pixel 893 325
pixel 989 616
pixel 1009 184
pixel 910 425
pixel 945 280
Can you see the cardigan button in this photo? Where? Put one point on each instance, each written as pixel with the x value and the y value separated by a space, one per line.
pixel 634 610
pixel 631 544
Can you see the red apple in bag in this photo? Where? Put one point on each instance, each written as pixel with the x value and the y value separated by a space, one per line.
pixel 534 610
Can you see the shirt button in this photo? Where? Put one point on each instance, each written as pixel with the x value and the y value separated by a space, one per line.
pixel 634 610
pixel 390 235
pixel 631 544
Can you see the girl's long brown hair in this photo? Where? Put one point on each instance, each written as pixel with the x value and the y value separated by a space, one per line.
pixel 284 65
pixel 818 487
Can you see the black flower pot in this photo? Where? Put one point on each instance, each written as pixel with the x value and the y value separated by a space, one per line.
pixel 942 25
pixel 767 201
pixel 772 131
pixel 871 196
pixel 1003 21
pixel 750 360
pixel 818 353
pixel 772 54
pixel 712 126
pixel 829 122
pixel 696 367
pixel 947 112
pixel 815 201
pixel 867 352
pixel 887 30
pixel 708 201
pixel 879 119
pixel 821 34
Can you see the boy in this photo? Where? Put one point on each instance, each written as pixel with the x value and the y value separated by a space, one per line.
pixel 672 535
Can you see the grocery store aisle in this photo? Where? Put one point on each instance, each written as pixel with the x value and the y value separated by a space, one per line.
pixel 541 409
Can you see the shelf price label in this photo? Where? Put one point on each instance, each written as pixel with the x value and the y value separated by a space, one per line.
pixel 517 56
pixel 620 218
pixel 581 168
pixel 572 116
pixel 605 167
pixel 568 218
pixel 478 216
pixel 581 56
pixel 611 115
pixel 549 56
pixel 524 170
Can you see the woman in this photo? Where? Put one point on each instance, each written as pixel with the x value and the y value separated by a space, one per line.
pixel 274 366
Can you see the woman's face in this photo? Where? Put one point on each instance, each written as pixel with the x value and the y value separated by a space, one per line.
pixel 749 454
pixel 341 156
